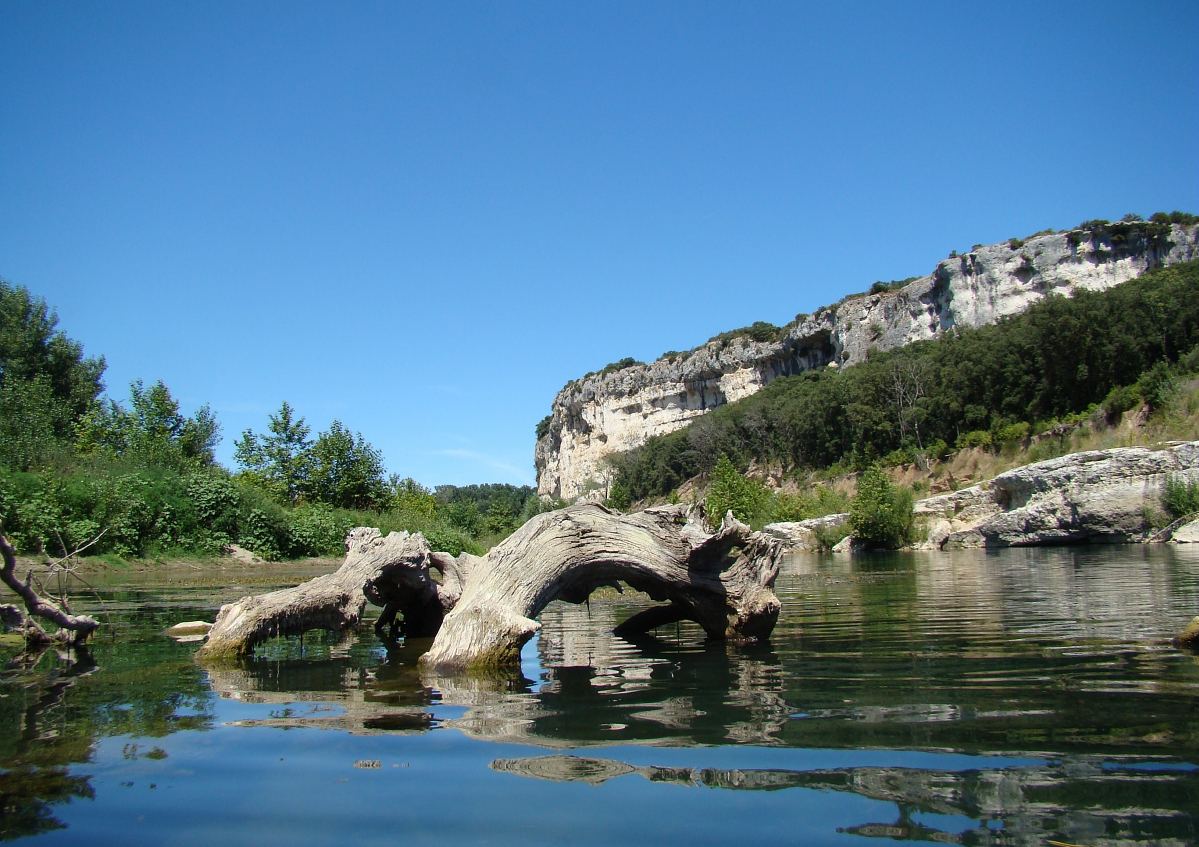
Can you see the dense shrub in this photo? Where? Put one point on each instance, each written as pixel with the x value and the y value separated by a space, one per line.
pixel 881 513
pixel 730 491
pixel 1181 497
pixel 975 438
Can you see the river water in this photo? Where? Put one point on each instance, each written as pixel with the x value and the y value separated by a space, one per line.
pixel 986 698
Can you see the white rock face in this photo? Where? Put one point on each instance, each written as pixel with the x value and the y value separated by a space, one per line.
pixel 602 414
pixel 1095 496
pixel 1098 496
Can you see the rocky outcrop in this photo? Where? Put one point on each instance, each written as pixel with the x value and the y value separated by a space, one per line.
pixel 620 409
pixel 1098 496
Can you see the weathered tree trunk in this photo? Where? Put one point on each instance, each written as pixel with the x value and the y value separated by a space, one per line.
pixel 392 572
pixel 722 581
pixel 74 629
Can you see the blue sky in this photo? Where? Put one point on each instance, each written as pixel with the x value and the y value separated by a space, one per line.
pixel 423 219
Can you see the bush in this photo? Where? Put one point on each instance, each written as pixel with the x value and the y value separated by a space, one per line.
pixel 1158 386
pixel 1119 400
pixel 975 438
pixel 730 491
pixel 619 497
pixel 316 530
pixel 1012 433
pixel 1181 497
pixel 880 513
pixel 814 503
pixel 828 537
pixel 902 456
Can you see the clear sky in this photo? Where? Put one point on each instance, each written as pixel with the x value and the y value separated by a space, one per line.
pixel 423 219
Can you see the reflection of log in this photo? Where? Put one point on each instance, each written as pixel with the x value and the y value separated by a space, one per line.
pixel 387 571
pixel 722 581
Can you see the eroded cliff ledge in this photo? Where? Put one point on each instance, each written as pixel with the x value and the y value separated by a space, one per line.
pixel 606 413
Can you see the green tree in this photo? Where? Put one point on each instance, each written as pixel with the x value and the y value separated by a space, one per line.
pixel 880 514
pixel 410 498
pixel 152 431
pixel 278 460
pixel 46 383
pixel 729 490
pixel 344 470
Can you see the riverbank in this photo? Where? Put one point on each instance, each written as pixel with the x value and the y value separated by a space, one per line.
pixel 1095 496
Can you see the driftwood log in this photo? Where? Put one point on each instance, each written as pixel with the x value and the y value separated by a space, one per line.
pixel 391 571
pixel 483 609
pixel 73 629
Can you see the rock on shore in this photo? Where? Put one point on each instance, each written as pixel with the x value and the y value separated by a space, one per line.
pixel 1098 496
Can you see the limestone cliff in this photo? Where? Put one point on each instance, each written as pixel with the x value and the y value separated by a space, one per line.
pixel 610 412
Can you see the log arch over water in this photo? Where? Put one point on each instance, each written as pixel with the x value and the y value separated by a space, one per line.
pixel 483 609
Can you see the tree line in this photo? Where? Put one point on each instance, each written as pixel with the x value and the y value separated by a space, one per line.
pixel 76 465
pixel 1096 351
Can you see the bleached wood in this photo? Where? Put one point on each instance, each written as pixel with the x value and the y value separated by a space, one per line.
pixel 483 609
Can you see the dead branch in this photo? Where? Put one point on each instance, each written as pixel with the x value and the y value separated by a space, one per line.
pixel 73 629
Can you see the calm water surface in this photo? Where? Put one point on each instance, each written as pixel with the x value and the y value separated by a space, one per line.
pixel 1003 698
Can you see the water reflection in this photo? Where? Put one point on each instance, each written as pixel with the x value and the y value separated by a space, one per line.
pixel 597 692
pixel 990 805
pixel 56 705
pixel 35 777
pixel 977 698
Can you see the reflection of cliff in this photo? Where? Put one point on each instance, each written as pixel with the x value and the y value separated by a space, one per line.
pixel 1010 805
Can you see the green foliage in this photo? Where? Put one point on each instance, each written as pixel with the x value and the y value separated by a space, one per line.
pixel 1120 399
pixel 31 419
pixel 880 514
pixel 619 497
pixel 975 438
pixel 828 537
pixel 31 347
pixel 543 427
pixel 277 461
pixel 881 287
pixel 729 490
pixel 1158 386
pixel 1012 433
pixel 1175 217
pixel 613 367
pixel 410 497
pixel 46 384
pixel 316 530
pixel 760 331
pixel 1181 497
pixel 815 502
pixel 344 470
pixel 152 431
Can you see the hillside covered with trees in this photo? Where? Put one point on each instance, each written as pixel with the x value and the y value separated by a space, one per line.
pixel 139 479
pixel 1063 359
